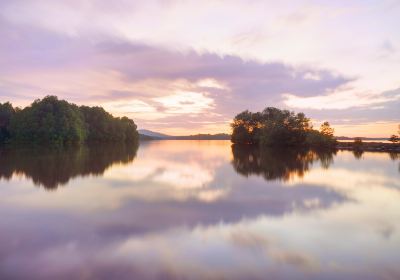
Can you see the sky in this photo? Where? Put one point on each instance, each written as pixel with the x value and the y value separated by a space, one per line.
pixel 187 67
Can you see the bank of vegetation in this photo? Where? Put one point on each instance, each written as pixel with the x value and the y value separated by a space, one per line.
pixel 358 145
pixel 54 121
pixel 275 127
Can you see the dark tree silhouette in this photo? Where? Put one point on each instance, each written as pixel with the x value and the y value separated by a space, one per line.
pixel 6 114
pixel 394 138
pixel 275 127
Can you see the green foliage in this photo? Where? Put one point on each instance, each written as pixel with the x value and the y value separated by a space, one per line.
pixel 284 128
pixel 323 138
pixel 130 129
pixel 326 129
pixel 103 127
pixel 6 113
pixel 246 128
pixel 53 121
pixel 49 121
pixel 275 127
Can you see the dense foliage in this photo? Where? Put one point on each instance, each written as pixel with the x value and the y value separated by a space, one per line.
pixel 58 122
pixel 6 114
pixel 275 127
pixel 102 126
pixel 48 121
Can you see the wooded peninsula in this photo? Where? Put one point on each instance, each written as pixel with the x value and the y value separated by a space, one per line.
pixel 53 121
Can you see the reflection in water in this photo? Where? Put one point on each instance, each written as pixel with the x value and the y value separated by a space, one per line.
pixel 273 163
pixel 180 210
pixel 358 153
pixel 51 167
pixel 395 156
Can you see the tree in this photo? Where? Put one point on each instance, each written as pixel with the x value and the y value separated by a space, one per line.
pixel 6 113
pixel 103 127
pixel 56 121
pixel 394 138
pixel 246 128
pixel 49 121
pixel 284 128
pixel 323 138
pixel 358 143
pixel 326 129
pixel 131 133
pixel 275 127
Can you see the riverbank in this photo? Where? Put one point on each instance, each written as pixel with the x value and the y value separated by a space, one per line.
pixel 370 146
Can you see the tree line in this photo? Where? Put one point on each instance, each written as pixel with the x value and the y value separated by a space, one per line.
pixel 275 127
pixel 53 121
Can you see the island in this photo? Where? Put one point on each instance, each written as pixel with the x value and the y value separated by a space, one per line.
pixel 274 127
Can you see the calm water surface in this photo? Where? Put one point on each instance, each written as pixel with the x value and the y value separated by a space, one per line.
pixel 198 210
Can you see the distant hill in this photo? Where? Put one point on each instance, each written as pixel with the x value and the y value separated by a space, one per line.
pixel 152 134
pixel 146 137
pixel 219 136
pixel 145 134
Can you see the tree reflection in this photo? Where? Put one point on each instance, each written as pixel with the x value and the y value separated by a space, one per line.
pixel 52 167
pixel 358 153
pixel 273 164
pixel 395 156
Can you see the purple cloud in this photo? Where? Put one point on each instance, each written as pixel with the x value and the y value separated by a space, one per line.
pixel 249 84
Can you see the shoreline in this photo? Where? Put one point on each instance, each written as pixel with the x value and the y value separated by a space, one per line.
pixel 369 146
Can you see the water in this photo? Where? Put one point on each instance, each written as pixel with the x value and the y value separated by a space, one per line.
pixel 198 210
